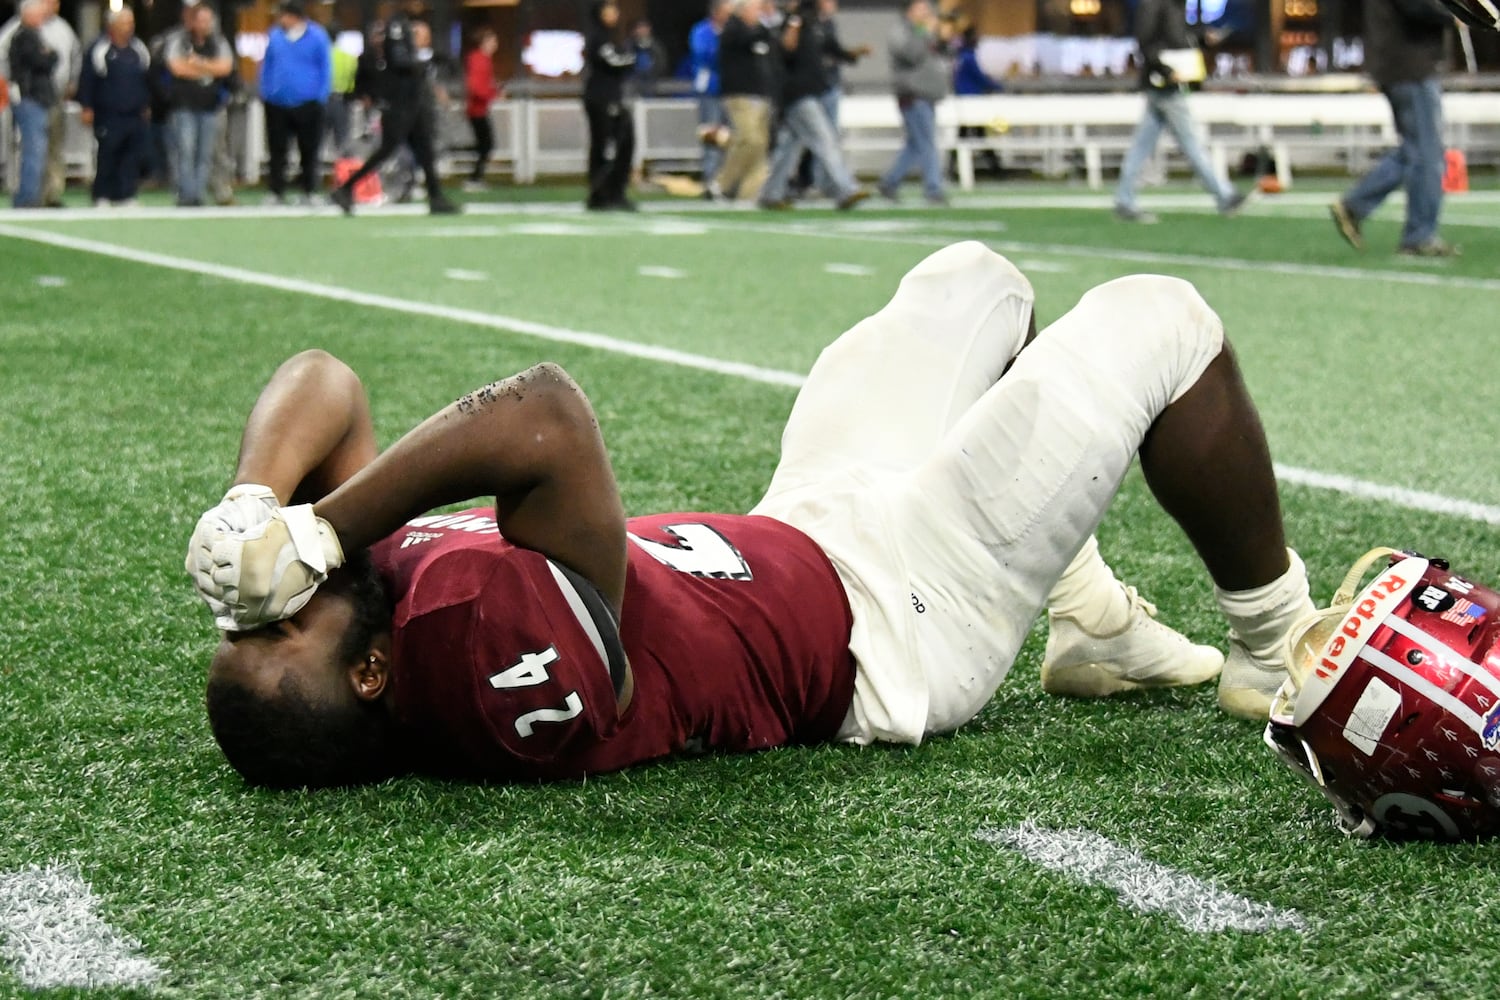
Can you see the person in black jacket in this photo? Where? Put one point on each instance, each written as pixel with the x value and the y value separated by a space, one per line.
pixel 608 60
pixel 804 123
pixel 1403 50
pixel 745 85
pixel 31 64
pixel 409 112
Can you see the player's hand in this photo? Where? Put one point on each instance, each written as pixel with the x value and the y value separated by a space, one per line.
pixel 245 506
pixel 270 571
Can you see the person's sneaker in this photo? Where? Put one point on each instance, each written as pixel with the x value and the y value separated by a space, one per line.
pixel 890 194
pixel 1248 683
pixel 1126 213
pixel 936 200
pixel 852 198
pixel 343 198
pixel 1347 225
pixel 775 205
pixel 273 200
pixel 314 200
pixel 1434 247
pixel 1144 654
pixel 442 206
pixel 1234 204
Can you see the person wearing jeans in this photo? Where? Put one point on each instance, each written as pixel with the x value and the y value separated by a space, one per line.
pixel 1160 28
pixel 32 62
pixel 1404 49
pixel 198 57
pixel 920 74
pixel 804 124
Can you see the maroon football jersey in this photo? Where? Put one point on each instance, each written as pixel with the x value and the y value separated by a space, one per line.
pixel 736 629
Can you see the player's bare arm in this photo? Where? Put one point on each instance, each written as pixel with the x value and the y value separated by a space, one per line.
pixel 309 430
pixel 532 442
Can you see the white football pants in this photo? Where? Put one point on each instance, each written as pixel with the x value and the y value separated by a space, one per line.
pixel 950 499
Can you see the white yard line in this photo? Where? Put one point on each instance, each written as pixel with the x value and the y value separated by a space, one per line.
pixel 1141 884
pixel 1395 495
pixel 51 935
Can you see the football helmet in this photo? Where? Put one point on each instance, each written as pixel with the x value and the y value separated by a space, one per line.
pixel 1392 706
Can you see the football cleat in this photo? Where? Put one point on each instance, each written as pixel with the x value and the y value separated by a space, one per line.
pixel 1248 683
pixel 1144 654
pixel 1392 703
pixel 1479 13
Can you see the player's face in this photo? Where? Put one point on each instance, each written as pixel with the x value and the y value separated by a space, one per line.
pixel 300 651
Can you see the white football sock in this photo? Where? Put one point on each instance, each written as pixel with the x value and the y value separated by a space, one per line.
pixel 1088 593
pixel 1261 617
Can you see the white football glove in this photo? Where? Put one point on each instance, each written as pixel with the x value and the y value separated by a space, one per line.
pixel 271 570
pixel 245 506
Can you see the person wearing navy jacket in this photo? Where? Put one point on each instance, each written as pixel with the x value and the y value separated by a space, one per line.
pixel 114 91
pixel 295 81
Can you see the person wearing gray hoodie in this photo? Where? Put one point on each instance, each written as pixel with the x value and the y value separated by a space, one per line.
pixel 919 71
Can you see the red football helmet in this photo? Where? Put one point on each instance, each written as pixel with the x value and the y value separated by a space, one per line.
pixel 1393 705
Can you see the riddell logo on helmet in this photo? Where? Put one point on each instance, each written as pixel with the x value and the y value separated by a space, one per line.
pixel 1377 601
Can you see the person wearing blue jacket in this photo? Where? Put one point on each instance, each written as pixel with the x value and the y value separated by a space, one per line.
pixel 295 81
pixel 703 50
pixel 114 92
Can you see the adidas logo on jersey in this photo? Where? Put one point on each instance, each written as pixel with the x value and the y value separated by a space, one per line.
pixel 418 537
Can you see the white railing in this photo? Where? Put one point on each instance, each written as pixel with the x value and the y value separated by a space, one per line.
pixel 1052 134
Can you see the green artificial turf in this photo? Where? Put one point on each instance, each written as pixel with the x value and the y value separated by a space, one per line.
pixel 820 872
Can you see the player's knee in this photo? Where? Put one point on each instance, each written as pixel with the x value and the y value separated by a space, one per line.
pixel 1158 309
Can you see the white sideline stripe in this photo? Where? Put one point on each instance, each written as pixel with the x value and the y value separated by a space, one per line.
pixel 1395 495
pixel 1142 884
pixel 51 935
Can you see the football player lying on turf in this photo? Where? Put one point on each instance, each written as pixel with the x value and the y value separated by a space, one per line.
pixel 937 487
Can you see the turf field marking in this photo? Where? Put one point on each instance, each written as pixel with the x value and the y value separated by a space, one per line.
pixel 51 280
pixel 51 935
pixel 1399 496
pixel 1115 254
pixel 1142 884
pixel 472 317
pixel 849 270
pixel 658 271
pixel 459 274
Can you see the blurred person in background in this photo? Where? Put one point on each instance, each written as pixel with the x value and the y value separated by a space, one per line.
pixel 650 59
pixel 114 91
pixel 198 58
pixel 341 93
pixel 746 84
pixel 1404 54
pixel 60 38
pixel 713 131
pixel 608 60
pixel 479 82
pixel 835 57
pixel 397 82
pixel 1161 31
pixel 970 79
pixel 295 81
pixel 804 123
pixel 919 72
pixel 33 65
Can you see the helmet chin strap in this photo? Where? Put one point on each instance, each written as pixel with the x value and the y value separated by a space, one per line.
pixel 1307 636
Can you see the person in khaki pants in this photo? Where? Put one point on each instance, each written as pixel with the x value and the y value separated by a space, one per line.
pixel 745 84
pixel 61 38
